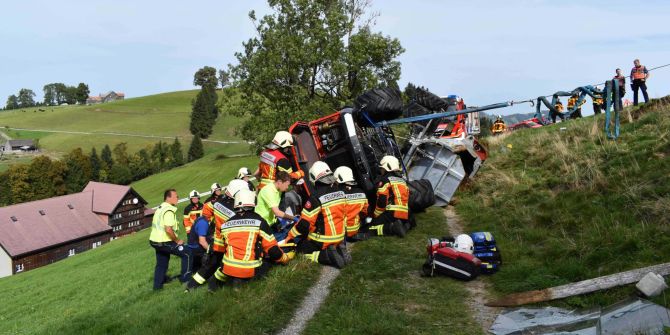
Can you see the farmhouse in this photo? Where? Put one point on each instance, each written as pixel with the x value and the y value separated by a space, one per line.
pixel 41 232
pixel 19 145
pixel 107 97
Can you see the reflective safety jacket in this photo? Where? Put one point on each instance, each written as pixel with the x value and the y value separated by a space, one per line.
pixel 598 101
pixel 639 72
pixel 322 216
pixel 621 79
pixel 357 209
pixel 222 213
pixel 163 217
pixel 573 101
pixel 498 126
pixel 273 160
pixel 559 107
pixel 208 207
pixel 247 237
pixel 392 195
pixel 191 213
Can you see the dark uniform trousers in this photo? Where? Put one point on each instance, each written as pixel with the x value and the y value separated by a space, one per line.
pixel 163 252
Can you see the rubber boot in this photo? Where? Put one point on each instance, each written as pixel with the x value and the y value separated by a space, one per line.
pixel 331 257
pixel 346 255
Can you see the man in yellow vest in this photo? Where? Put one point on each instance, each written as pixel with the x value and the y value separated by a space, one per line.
pixel 164 240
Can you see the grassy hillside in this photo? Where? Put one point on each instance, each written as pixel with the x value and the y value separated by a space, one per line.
pixel 571 205
pixel 164 114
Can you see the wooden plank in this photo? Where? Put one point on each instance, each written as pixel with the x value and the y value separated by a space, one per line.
pixel 582 287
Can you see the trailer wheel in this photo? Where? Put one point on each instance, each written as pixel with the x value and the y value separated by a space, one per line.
pixel 380 104
pixel 421 195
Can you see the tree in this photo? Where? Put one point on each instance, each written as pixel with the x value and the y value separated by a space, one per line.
pixel 224 78
pixel 204 107
pixel 5 189
pixel 409 93
pixel 19 183
pixel 106 158
pixel 95 165
pixel 12 102
pixel 71 95
pixel 176 154
pixel 141 165
pixel 120 174
pixel 46 178
pixel 61 92
pixel 81 94
pixel 309 58
pixel 206 77
pixel 26 98
pixel 78 170
pixel 49 94
pixel 159 155
pixel 195 151
pixel 121 154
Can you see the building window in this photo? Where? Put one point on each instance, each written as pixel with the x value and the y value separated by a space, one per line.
pixel 71 252
pixel 116 216
pixel 19 268
pixel 117 228
pixel 134 211
pixel 96 244
pixel 135 223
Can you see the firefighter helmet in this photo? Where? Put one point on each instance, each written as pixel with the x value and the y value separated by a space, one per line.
pixel 235 186
pixel 194 194
pixel 243 172
pixel 464 243
pixel 215 186
pixel 319 170
pixel 344 175
pixel 390 164
pixel 245 198
pixel 283 139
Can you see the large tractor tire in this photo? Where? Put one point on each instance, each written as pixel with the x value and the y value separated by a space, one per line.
pixel 421 195
pixel 429 100
pixel 380 104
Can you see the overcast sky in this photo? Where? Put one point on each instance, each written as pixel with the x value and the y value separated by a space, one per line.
pixel 485 51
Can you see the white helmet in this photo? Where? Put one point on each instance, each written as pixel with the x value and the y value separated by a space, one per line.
pixel 389 163
pixel 243 172
pixel 214 187
pixel 235 186
pixel 194 194
pixel 464 243
pixel 283 139
pixel 245 198
pixel 343 174
pixel 319 170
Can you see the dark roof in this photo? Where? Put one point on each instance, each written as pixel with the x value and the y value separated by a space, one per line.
pixel 21 143
pixel 106 197
pixel 40 224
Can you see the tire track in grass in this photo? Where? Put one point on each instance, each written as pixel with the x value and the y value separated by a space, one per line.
pixel 477 288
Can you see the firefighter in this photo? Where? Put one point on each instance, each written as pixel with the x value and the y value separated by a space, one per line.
pixel 391 215
pixel 269 199
pixel 243 261
pixel 572 106
pixel 321 226
pixel 164 240
pixel 274 158
pixel 639 75
pixel 597 104
pixel 207 208
pixel 244 174
pixel 357 201
pixel 192 211
pixel 557 111
pixel 222 210
pixel 498 126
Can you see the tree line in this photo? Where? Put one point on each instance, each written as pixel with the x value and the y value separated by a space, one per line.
pixel 44 177
pixel 54 94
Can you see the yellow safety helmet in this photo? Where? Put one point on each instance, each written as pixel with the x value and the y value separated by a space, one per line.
pixel 390 164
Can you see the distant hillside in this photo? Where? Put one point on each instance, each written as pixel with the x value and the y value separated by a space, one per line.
pixel 567 205
pixel 512 118
pixel 160 115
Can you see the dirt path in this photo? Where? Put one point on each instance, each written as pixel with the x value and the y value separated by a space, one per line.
pixel 5 136
pixel 478 288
